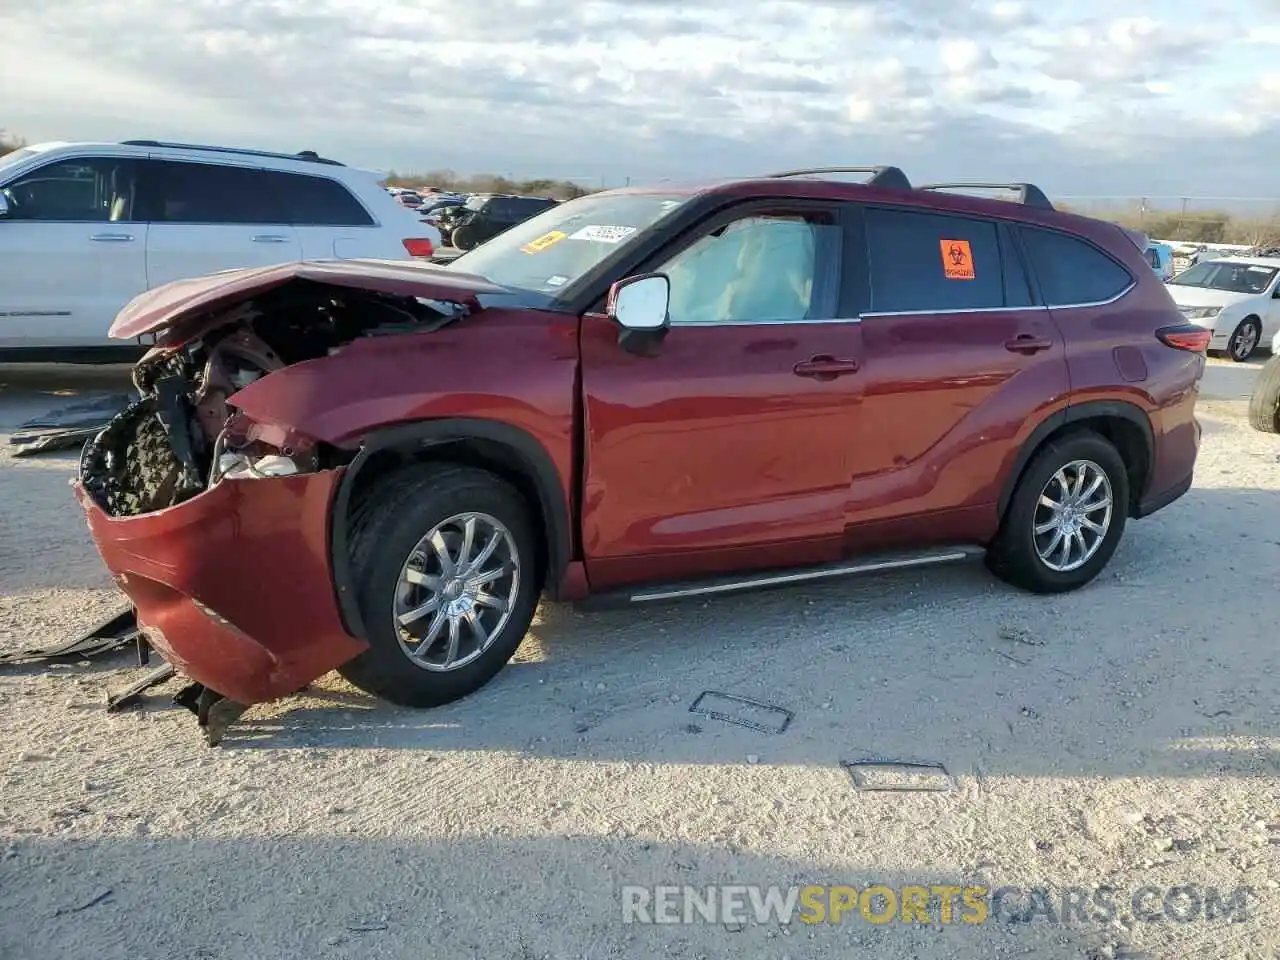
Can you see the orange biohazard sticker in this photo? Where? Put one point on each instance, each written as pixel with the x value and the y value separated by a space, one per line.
pixel 544 241
pixel 957 260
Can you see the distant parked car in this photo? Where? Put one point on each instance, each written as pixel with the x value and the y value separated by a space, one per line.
pixel 485 216
pixel 1160 256
pixel 432 209
pixel 1264 403
pixel 1238 298
pixel 86 227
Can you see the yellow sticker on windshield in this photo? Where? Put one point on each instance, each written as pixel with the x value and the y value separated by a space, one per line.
pixel 544 241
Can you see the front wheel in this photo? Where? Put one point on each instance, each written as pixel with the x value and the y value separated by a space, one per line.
pixel 444 560
pixel 1244 339
pixel 1066 516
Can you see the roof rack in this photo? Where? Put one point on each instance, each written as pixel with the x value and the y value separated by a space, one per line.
pixel 308 155
pixel 882 176
pixel 1024 193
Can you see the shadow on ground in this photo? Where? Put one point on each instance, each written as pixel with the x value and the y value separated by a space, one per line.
pixel 495 897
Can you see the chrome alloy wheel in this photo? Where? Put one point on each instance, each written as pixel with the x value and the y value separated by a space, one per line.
pixel 456 591
pixel 1243 341
pixel 1072 516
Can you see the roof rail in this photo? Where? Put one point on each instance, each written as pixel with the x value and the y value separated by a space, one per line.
pixel 881 176
pixel 308 155
pixel 1024 193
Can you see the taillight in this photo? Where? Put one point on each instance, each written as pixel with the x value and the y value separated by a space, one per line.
pixel 419 247
pixel 1186 336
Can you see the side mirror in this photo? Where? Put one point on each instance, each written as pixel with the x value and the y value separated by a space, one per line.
pixel 640 303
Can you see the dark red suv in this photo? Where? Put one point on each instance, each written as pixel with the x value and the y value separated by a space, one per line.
pixel 643 394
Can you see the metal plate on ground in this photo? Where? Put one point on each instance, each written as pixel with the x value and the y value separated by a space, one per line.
pixel 752 714
pixel 899 776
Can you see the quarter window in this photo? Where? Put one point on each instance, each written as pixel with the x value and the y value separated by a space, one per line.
pixel 758 269
pixel 93 189
pixel 316 201
pixel 935 262
pixel 1072 271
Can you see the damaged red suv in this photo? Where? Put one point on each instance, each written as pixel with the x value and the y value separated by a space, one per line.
pixel 643 394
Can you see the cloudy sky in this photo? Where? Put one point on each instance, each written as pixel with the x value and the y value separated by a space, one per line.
pixel 1089 97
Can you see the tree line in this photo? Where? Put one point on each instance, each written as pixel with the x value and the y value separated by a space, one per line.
pixel 453 182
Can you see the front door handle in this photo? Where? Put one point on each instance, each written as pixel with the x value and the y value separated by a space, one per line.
pixel 112 237
pixel 270 238
pixel 825 367
pixel 1028 344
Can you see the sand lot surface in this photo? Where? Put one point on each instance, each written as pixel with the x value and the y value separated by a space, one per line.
pixel 1124 736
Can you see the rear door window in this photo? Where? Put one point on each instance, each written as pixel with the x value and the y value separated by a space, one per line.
pixel 1071 271
pixel 926 262
pixel 182 192
pixel 316 201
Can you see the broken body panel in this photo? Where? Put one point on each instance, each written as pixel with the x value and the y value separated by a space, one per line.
pixel 210 498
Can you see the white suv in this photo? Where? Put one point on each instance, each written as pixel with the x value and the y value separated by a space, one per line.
pixel 86 227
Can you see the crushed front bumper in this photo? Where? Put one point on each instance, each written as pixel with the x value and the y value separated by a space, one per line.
pixel 233 586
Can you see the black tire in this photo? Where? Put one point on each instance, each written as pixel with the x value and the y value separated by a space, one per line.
pixel 1264 402
pixel 390 520
pixel 1235 341
pixel 463 238
pixel 1013 556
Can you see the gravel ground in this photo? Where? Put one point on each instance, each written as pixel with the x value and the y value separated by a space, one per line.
pixel 1122 736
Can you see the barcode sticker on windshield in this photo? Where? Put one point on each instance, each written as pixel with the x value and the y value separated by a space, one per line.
pixel 603 234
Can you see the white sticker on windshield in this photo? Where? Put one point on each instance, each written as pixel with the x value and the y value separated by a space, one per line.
pixel 603 234
pixel 557 281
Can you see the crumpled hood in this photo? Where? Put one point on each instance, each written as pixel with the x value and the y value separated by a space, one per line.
pixel 175 309
pixel 1204 296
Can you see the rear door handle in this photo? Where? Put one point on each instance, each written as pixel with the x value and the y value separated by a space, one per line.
pixel 270 238
pixel 112 237
pixel 824 367
pixel 1028 344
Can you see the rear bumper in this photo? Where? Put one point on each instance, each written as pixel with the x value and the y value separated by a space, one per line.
pixel 1162 499
pixel 233 587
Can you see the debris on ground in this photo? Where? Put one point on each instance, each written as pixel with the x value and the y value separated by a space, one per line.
pixel 752 714
pixel 884 773
pixel 69 426
pixel 111 634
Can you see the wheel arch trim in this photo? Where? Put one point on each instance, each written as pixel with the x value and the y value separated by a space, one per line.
pixel 530 455
pixel 1076 413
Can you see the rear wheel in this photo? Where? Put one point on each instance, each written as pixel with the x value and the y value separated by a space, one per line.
pixel 444 563
pixel 1066 516
pixel 1244 339
pixel 1264 402
pixel 463 238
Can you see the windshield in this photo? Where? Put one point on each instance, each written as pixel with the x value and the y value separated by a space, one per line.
pixel 559 245
pixel 1227 276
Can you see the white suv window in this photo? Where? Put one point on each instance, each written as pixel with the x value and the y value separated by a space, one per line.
pixel 316 201
pixel 179 191
pixel 91 189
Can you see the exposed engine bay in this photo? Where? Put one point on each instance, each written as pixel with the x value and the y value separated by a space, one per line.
pixel 181 436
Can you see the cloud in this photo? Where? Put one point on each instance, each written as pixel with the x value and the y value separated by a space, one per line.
pixel 1071 96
